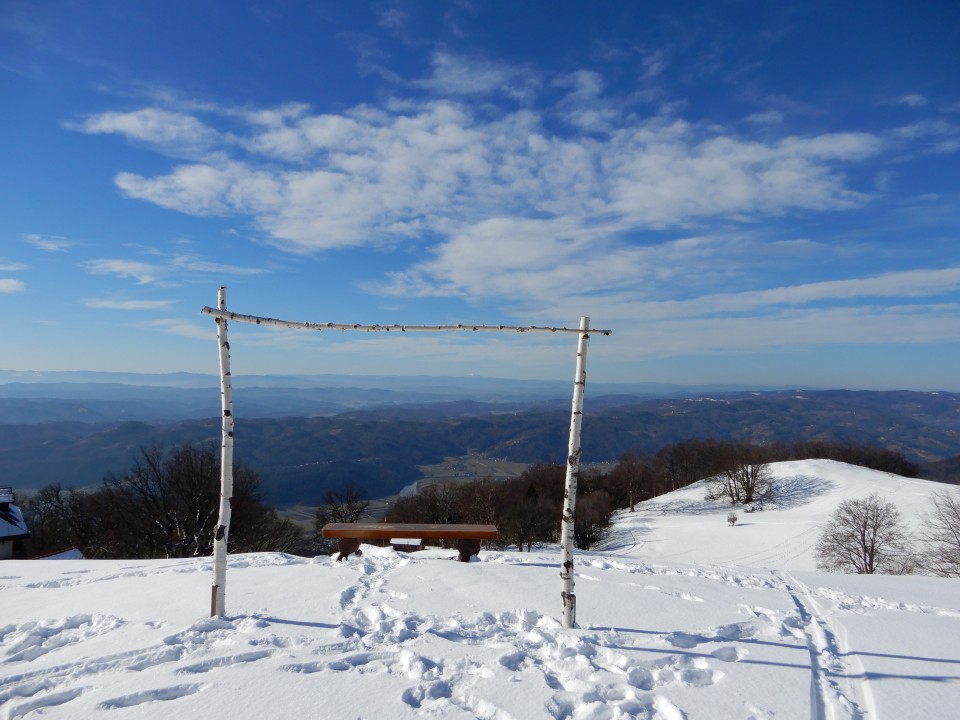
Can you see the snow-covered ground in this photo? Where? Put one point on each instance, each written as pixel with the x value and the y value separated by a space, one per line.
pixel 681 616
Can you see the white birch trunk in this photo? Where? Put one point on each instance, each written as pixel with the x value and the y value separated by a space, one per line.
pixel 573 474
pixel 218 591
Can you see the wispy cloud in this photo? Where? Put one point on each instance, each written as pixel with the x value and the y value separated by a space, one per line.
pixel 584 105
pixel 912 100
pixel 9 285
pixel 195 264
pixel 796 328
pixel 128 304
pixel 11 266
pixel 454 75
pixel 166 271
pixel 50 243
pixel 770 117
pixel 929 137
pixel 180 328
pixel 143 273
pixel 176 132
pixel 894 285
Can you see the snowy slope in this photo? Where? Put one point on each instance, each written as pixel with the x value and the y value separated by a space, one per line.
pixel 698 635
pixel 684 527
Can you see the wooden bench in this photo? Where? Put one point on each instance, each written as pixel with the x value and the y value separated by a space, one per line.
pixel 468 537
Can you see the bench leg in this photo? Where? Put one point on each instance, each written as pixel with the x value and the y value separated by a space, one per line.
pixel 467 548
pixel 348 546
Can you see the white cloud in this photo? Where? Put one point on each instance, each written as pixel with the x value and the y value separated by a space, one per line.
pixel 517 209
pixel 904 284
pixel 636 339
pixel 166 271
pixel 194 189
pixel 913 100
pixel 143 273
pixel 371 176
pixel 456 75
pixel 128 304
pixel 50 243
pixel 653 65
pixel 770 117
pixel 930 137
pixel 9 285
pixel 583 106
pixel 192 263
pixel 176 132
pixel 11 266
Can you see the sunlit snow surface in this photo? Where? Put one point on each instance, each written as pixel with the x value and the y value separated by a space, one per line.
pixel 681 616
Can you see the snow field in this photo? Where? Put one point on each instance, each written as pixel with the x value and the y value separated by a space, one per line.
pixel 392 635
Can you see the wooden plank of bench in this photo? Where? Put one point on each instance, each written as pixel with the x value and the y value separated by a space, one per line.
pixel 388 531
pixel 468 537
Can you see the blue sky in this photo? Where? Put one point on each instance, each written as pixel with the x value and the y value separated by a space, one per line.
pixel 745 192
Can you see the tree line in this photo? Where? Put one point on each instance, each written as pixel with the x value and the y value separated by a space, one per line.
pixel 527 509
pixel 166 505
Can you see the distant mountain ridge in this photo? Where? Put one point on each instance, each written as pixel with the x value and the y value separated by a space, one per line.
pixel 382 439
pixel 26 397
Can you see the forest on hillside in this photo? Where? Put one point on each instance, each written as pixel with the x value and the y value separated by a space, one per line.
pixel 382 450
pixel 166 503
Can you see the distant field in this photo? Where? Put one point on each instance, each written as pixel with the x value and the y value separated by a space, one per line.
pixel 452 469
pixel 473 467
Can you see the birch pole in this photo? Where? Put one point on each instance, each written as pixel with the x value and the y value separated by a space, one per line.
pixel 218 591
pixel 574 451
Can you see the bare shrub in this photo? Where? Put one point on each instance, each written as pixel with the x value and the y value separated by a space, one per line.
pixel 865 536
pixel 940 538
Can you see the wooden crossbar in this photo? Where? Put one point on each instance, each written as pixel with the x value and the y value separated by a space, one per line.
pixel 388 531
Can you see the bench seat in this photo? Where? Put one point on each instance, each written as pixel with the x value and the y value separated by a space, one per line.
pixel 468 537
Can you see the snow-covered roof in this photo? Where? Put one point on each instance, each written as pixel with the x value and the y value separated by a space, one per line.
pixel 12 525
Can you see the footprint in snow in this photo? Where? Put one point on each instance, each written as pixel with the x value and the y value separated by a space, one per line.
pixel 729 654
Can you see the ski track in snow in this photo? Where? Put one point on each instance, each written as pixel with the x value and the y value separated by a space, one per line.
pixel 838 689
pixel 45 687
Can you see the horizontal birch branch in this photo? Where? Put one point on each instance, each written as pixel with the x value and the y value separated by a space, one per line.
pixel 256 320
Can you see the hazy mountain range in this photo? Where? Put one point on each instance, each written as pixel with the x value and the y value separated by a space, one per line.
pixel 33 397
pixel 306 434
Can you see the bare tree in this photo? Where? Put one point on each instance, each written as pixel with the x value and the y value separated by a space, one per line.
pixel 633 480
pixel 941 535
pixel 592 522
pixel 164 506
pixel 744 475
pixel 865 536
pixel 341 506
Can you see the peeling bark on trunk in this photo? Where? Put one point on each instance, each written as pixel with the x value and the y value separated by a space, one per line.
pixel 218 591
pixel 574 451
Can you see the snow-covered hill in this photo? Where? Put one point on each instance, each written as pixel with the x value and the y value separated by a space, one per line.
pixel 681 617
pixel 684 527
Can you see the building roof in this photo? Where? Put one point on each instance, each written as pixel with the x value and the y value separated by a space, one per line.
pixel 12 525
